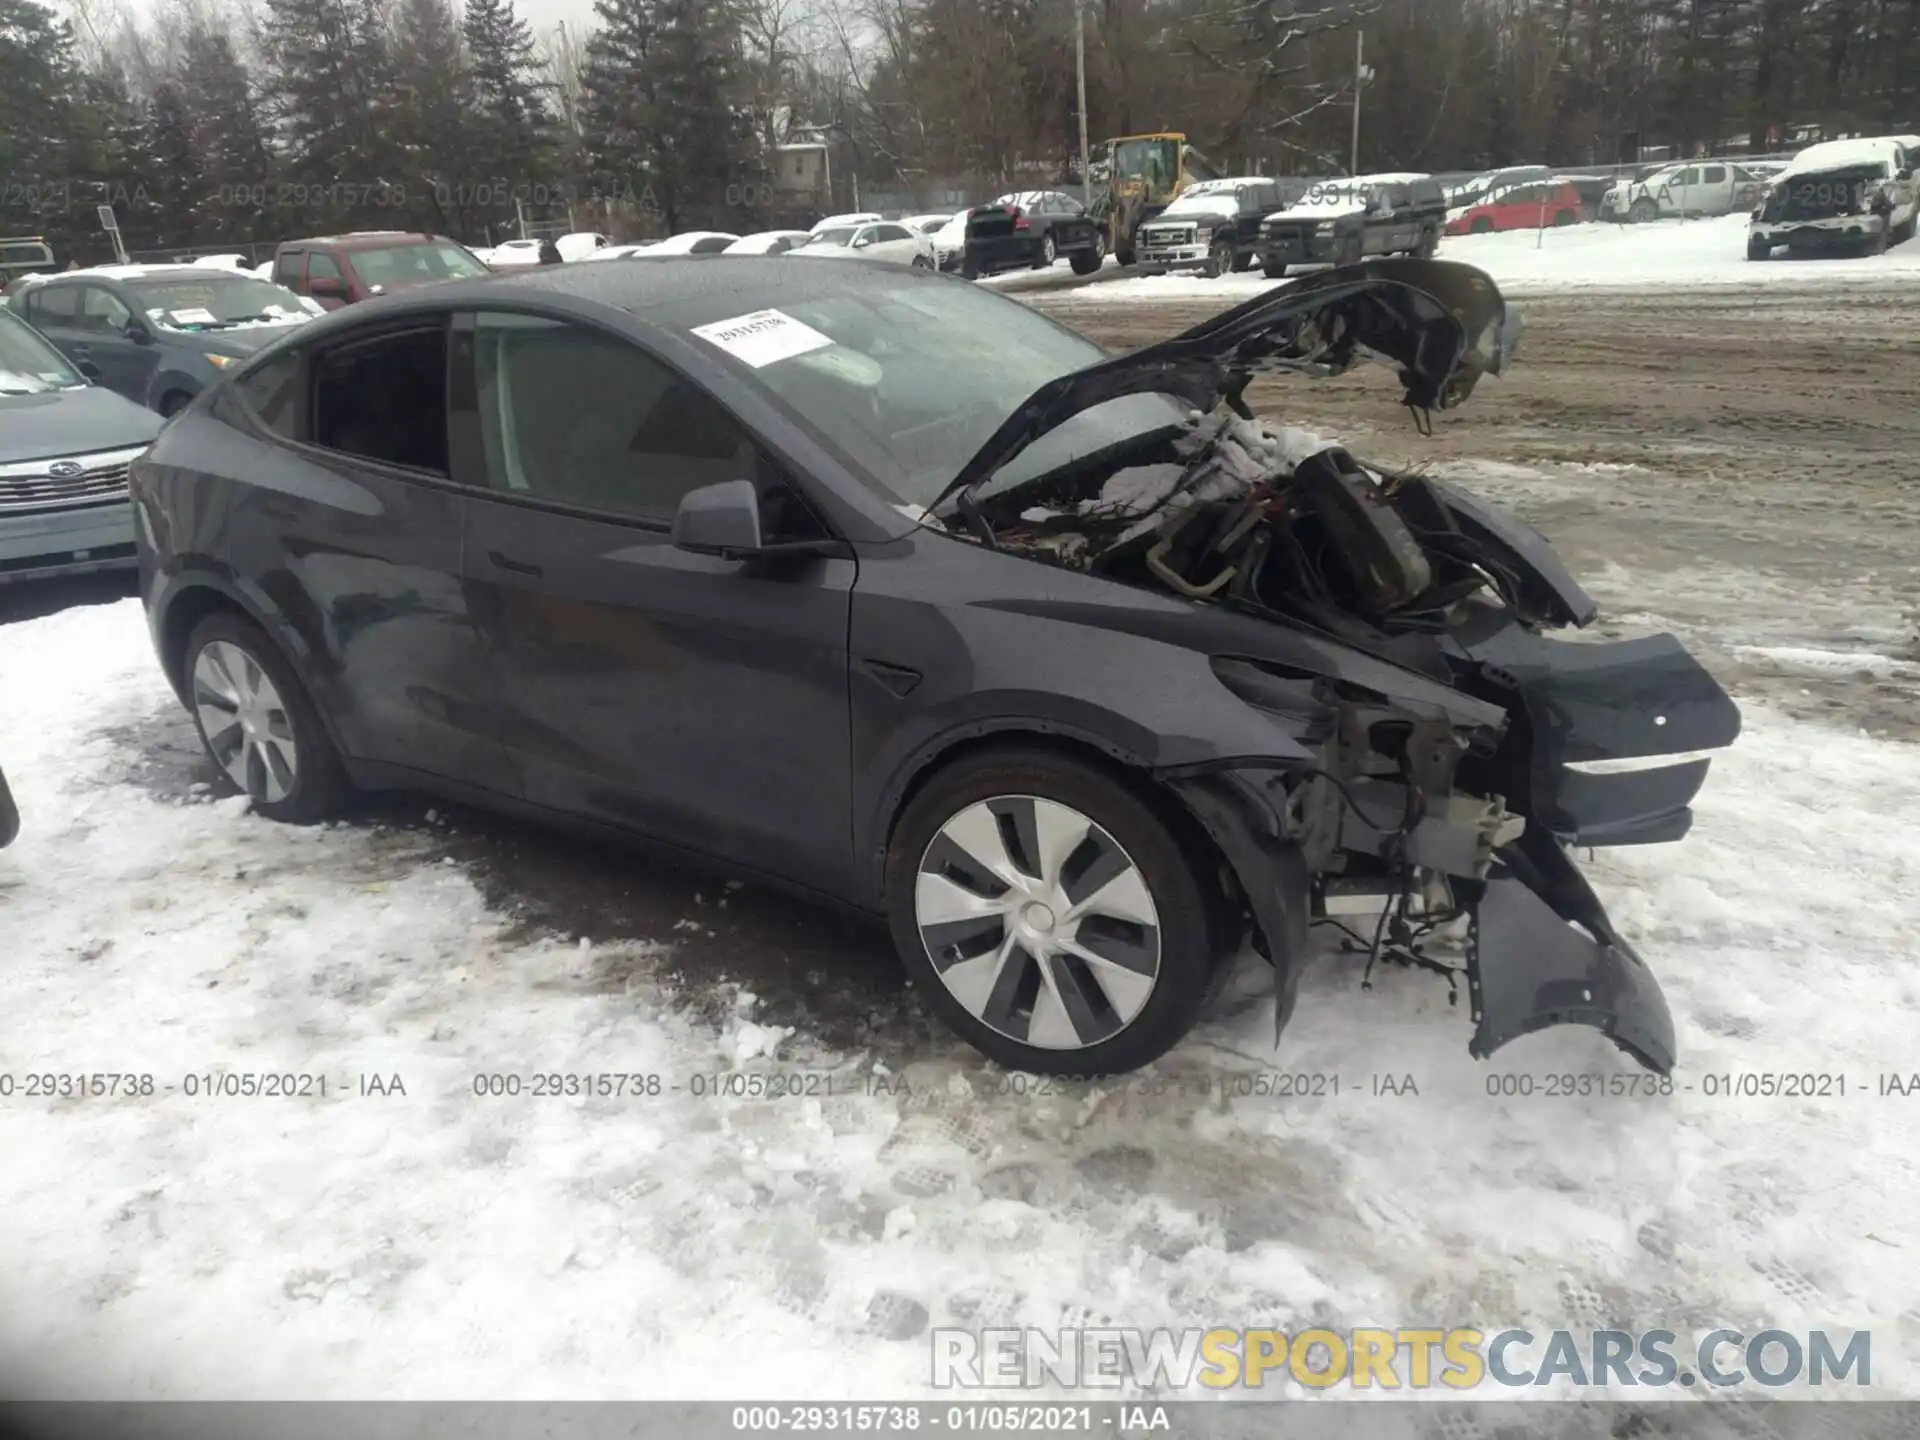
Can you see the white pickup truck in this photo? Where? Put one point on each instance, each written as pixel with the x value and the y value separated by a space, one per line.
pixel 1691 188
pixel 1844 197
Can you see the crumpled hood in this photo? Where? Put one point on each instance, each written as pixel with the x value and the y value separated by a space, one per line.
pixel 1443 323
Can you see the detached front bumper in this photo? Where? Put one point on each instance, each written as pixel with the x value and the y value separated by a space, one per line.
pixel 1595 755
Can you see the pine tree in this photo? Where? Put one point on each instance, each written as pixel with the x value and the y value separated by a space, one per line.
pixel 331 73
pixel 39 84
pixel 236 168
pixel 177 193
pixel 513 139
pixel 617 103
pixel 702 139
pixel 435 113
pixel 663 109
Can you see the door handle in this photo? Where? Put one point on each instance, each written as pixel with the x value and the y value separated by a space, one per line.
pixel 519 567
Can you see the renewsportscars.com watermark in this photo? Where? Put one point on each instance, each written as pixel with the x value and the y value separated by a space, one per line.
pixel 1455 1360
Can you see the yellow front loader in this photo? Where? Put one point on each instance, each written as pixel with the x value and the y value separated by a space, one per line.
pixel 1138 177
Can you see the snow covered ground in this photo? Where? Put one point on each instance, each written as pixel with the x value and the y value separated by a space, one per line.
pixel 1578 257
pixel 440 1244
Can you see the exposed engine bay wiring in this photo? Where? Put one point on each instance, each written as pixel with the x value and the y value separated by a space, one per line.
pixel 1239 511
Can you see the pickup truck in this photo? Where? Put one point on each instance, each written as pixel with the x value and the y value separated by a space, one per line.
pixel 1696 188
pixel 1342 221
pixel 1212 226
pixel 1844 197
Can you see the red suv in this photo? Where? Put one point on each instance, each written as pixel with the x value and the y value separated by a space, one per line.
pixel 1523 207
pixel 336 270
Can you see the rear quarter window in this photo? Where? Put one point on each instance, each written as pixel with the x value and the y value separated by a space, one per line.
pixel 270 394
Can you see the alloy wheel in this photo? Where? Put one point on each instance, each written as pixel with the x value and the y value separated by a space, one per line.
pixel 1038 922
pixel 245 721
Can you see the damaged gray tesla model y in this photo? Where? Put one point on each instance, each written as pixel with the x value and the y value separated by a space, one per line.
pixel 890 590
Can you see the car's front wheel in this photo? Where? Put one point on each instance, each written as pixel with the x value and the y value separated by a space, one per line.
pixel 258 725
pixel 1045 254
pixel 1050 916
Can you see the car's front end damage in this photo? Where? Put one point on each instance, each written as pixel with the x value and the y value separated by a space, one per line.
pixel 1847 210
pixel 1437 754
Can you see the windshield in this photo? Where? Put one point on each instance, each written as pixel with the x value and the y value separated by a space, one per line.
pixel 1155 161
pixel 28 364
pixel 909 381
pixel 1210 202
pixel 389 266
pixel 210 302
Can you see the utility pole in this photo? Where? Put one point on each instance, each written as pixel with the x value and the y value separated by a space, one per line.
pixel 1080 80
pixel 1359 73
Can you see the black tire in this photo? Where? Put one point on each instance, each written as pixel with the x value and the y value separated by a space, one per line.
pixel 9 814
pixel 319 785
pixel 1643 212
pixel 1482 225
pixel 921 262
pixel 1565 217
pixel 1220 259
pixel 1759 250
pixel 1085 262
pixel 969 267
pixel 1244 260
pixel 1273 270
pixel 1429 245
pixel 173 402
pixel 1044 253
pixel 1193 943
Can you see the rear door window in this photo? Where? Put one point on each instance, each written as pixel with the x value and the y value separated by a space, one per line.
pixel 54 305
pixel 385 399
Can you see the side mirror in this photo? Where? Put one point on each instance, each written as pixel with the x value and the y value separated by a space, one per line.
pixel 139 334
pixel 721 520
pixel 863 242
pixel 88 369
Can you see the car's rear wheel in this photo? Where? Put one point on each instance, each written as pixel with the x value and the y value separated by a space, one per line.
pixel 173 402
pixel 1273 270
pixel 1643 211
pixel 1086 261
pixel 1759 250
pixel 921 262
pixel 259 727
pixel 1219 258
pixel 1050 916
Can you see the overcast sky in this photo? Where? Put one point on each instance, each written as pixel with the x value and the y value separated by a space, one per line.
pixel 542 15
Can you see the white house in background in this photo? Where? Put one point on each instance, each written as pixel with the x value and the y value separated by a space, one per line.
pixel 803 170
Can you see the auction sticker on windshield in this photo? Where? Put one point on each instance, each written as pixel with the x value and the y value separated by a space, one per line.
pixel 764 337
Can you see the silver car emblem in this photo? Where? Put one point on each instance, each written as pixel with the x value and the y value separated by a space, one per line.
pixel 61 469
